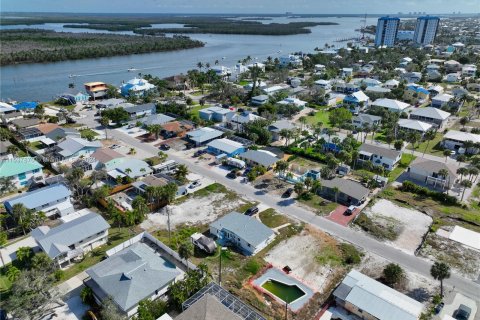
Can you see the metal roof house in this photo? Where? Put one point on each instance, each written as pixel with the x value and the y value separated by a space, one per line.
pixel 22 171
pixel 278 126
pixel 74 147
pixel 380 156
pixel 229 147
pixel 370 299
pixel 141 110
pixel 431 115
pixel 140 268
pixel 72 239
pixel 350 192
pixel 366 119
pixel 427 171
pixel 133 168
pixel 156 119
pixel 216 114
pixel 203 135
pixel 391 105
pixel 246 233
pixel 414 125
pixel 53 199
pixel 259 157
pixel 455 140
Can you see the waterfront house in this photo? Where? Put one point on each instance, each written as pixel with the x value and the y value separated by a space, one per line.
pixel 217 114
pixel 364 119
pixel 203 136
pixel 441 100
pixel 52 200
pixel 259 100
pixel 73 238
pixel 11 116
pixel 26 107
pixel 349 192
pixel 6 108
pixel 262 158
pixel 410 125
pixel 225 146
pixel 379 156
pixel 96 89
pixel 455 140
pixel 434 116
pixel 73 148
pixel 276 127
pixel 136 87
pixel 71 99
pixel 24 123
pixel 427 171
pixel 367 298
pixel 221 71
pixel 138 269
pixel 290 60
pixel 245 233
pixel 356 102
pixel 21 171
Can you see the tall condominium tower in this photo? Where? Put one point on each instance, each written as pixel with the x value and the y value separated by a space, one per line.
pixel 387 29
pixel 426 30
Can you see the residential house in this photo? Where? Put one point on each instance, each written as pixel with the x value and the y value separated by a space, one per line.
pixel 26 107
pixel 293 101
pixel 349 192
pixel 364 119
pixel 243 232
pixel 347 88
pixel 141 110
pixel 127 167
pixel 356 102
pixel 452 66
pixel 259 100
pixel 29 134
pixel 140 268
pixel 72 239
pixel 157 180
pixel 434 116
pixel 323 84
pixel 368 82
pixel 411 125
pixel 319 68
pixel 262 158
pixel 156 119
pixel 290 59
pixel 367 298
pixel 4 150
pixel 103 156
pixel 47 127
pixel 207 308
pixel 453 77
pixel 111 103
pixel 176 129
pixel 469 70
pixel 411 77
pixel 60 133
pixel 221 71
pixel 52 200
pixel 260 84
pixel 379 156
pixel 11 116
pixel 6 108
pixel 273 89
pixel 391 84
pixel 434 75
pixel 415 94
pixel 428 171
pixel 334 99
pixel 473 87
pixel 21 171
pixel 276 127
pixel 435 90
pixel 79 97
pixel 441 100
pixel 377 91
pixel 24 123
pixel 391 105
pixel 203 135
pixel 73 148
pixel 237 120
pixel 347 72
pixel 96 89
pixel 216 114
pixel 137 87
pixel 455 140
pixel 459 92
pixel 225 146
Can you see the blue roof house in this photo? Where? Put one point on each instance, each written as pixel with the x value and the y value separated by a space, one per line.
pixel 356 102
pixel 27 106
pixel 22 171
pixel 51 200
pixel 225 146
pixel 243 232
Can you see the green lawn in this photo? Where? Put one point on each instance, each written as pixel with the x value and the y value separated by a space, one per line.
pixel 433 146
pixel 5 284
pixel 243 83
pixel 36 145
pixel 272 219
pixel 195 110
pixel 320 116
pixel 321 206
pixel 405 161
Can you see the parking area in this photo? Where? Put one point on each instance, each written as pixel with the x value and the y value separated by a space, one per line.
pixel 451 308
pixel 339 215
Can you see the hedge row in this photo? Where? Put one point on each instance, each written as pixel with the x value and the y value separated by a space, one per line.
pixel 408 186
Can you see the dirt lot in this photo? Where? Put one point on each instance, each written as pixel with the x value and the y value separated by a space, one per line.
pixel 202 207
pixel 305 266
pixel 410 225
pixel 269 183
pixel 464 260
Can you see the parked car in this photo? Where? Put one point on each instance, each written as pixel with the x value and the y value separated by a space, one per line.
pixel 287 193
pixel 198 153
pixel 232 174
pixel 439 307
pixel 195 184
pixel 462 313
pixel 115 146
pixel 350 210
pixel 164 146
pixel 251 211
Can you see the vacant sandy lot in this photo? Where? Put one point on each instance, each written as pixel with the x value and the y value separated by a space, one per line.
pixel 196 210
pixel 299 253
pixel 412 223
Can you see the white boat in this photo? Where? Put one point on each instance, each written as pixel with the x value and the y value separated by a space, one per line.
pixel 131 69
pixel 72 75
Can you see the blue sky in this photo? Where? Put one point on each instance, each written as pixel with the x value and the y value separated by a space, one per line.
pixel 242 6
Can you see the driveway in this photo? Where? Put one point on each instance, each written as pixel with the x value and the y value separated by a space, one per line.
pixel 9 253
pixel 459 299
pixel 338 215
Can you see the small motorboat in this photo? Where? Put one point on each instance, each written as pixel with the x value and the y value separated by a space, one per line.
pixel 131 69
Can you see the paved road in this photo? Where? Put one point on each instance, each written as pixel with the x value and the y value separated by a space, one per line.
pixel 288 207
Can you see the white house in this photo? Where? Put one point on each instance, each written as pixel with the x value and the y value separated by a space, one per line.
pixel 379 156
pixel 291 59
pixel 323 84
pixel 347 72
pixel 137 87
pixel 364 119
pixel 453 77
pixel 296 102
pixel 391 84
pixel 245 233
pixel 414 125
pixel 455 140
pixel 441 100
pixel 391 105
pixel 435 116
pixel 427 172
pixel 469 70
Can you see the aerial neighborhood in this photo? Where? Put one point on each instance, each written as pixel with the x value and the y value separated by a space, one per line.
pixel 336 184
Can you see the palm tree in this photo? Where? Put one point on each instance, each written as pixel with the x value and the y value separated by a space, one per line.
pixel 465 184
pixel 440 271
pixel 336 190
pixel 303 121
pixel 299 189
pixel 5 134
pixel 24 254
pixel 104 121
pixel 200 65
pixel 473 172
pixel 446 153
pixel 317 185
pixel 185 251
pixel 6 184
pixel 132 151
pixel 429 136
pixel 413 138
pixel 13 273
pixel 181 173
pixel 462 171
pixel 444 173
pixel 155 129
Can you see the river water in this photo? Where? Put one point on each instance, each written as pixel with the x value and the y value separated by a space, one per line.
pixel 44 81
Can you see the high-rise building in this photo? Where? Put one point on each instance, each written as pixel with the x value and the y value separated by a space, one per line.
pixel 387 29
pixel 426 30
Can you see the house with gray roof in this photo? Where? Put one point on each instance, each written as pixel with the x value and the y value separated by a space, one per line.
pixel 51 200
pixel 225 146
pixel 262 158
pixel 61 133
pixel 217 114
pixel 208 308
pixel 130 167
pixel 137 269
pixel 379 156
pixel 243 232
pixel 364 119
pixel 370 299
pixel 141 110
pixel 349 192
pixel 260 100
pixel 25 122
pixel 428 172
pixel 156 119
pixel 71 240
pixel 278 126
pixel 73 148
pixel 203 135
pixel 434 116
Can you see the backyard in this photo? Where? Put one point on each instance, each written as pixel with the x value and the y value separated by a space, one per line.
pixel 405 161
pixel 320 116
pixel 434 147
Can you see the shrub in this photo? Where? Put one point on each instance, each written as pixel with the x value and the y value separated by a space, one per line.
pixel 378 231
pixel 252 266
pixel 350 254
pixel 408 186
